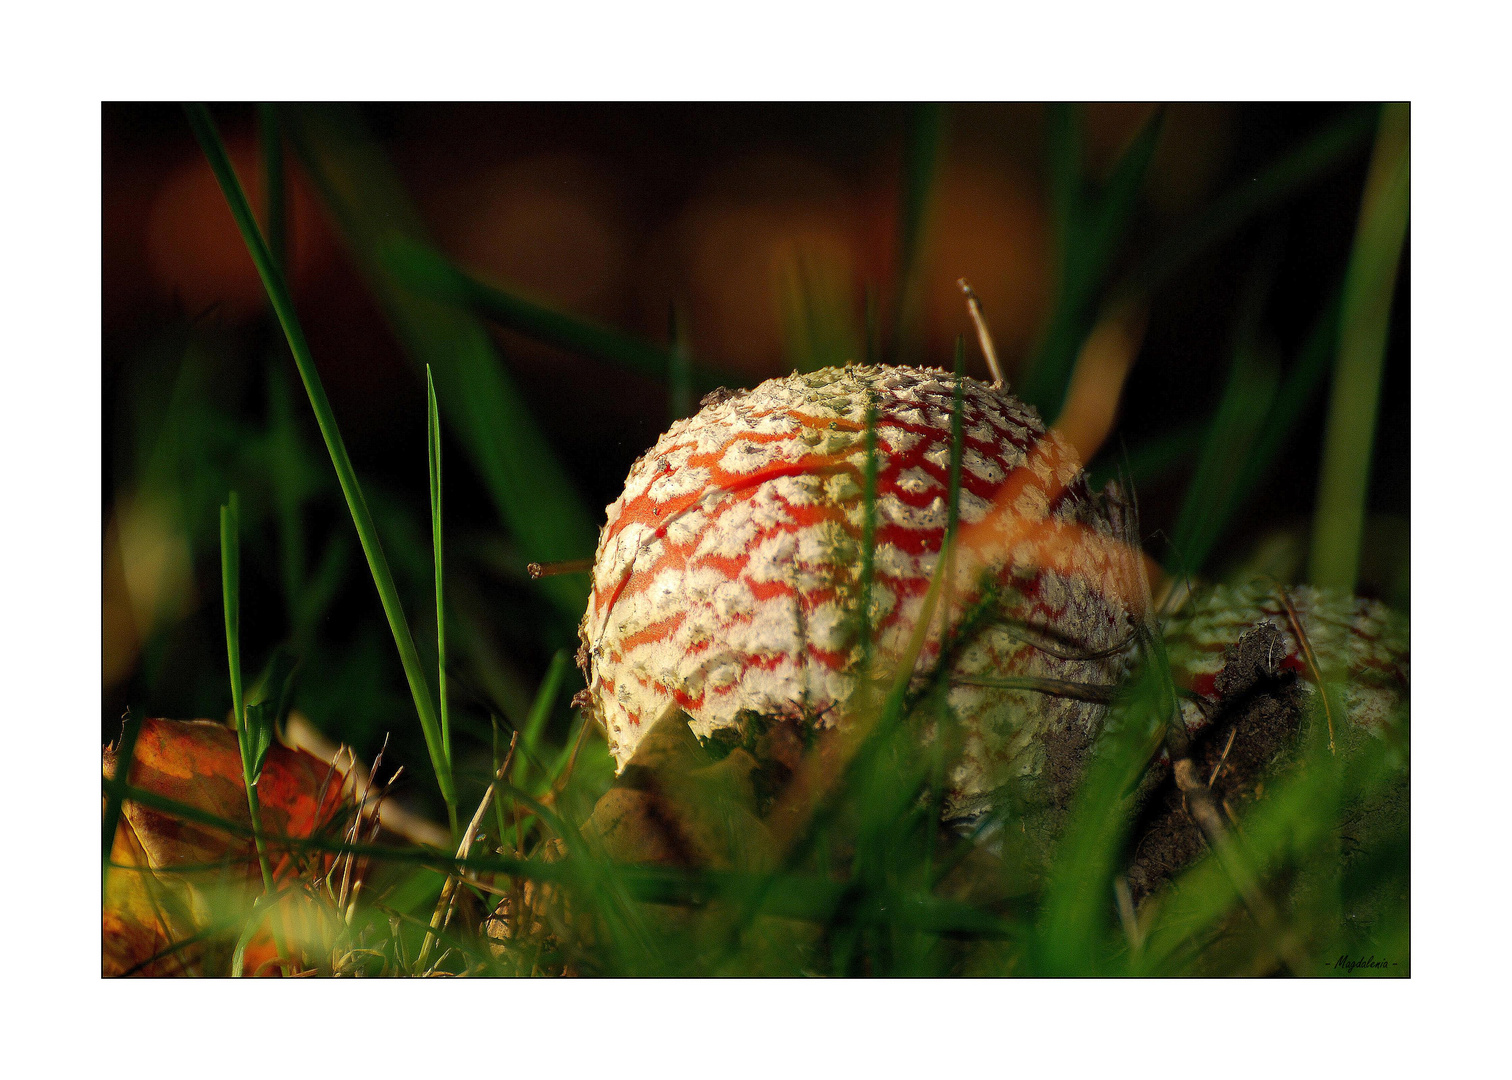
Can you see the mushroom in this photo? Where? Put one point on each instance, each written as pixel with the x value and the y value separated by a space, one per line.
pixel 728 580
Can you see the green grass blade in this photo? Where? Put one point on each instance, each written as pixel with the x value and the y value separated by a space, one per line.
pixel 283 306
pixel 275 685
pixel 559 766
pixel 1150 460
pixel 252 737
pixel 230 545
pixel 540 712
pixel 275 200
pixel 433 454
pixel 1265 440
pixel 244 939
pixel 681 396
pixel 868 538
pixel 500 824
pixel 115 789
pixel 1121 194
pixel 257 742
pixel 1302 381
pixel 1088 232
pixel 1078 900
pixel 921 162
pixel 428 273
pixel 1325 151
pixel 953 495
pixel 486 414
pixel 285 468
pixel 1363 324
pixel 1247 398
pixel 818 328
pixel 1059 341
pixel 1065 152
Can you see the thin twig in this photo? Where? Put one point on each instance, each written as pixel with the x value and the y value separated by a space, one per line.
pixel 355 830
pixel 1097 693
pixel 320 802
pixel 974 305
pixel 561 784
pixel 441 918
pixel 1226 748
pixel 1312 661
pixel 552 569
pixel 377 826
pixel 1015 629
pixel 326 783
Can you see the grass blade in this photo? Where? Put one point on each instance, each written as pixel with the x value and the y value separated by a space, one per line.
pixel 1088 231
pixel 254 726
pixel 1121 194
pixel 283 306
pixel 433 454
pixel 1149 460
pixel 1330 147
pixel 1058 345
pixel 680 400
pixel 486 414
pixel 868 538
pixel 1297 390
pixel 1247 398
pixel 540 712
pixel 1065 151
pixel 249 735
pixel 275 205
pixel 953 494
pixel 814 297
pixel 1363 324
pixel 1078 901
pixel 115 790
pixel 424 270
pixel 230 543
pixel 921 162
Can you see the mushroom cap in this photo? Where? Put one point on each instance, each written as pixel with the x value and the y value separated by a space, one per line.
pixel 1361 644
pixel 728 579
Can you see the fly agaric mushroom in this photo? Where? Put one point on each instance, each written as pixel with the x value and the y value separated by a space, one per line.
pixel 728 578
pixel 1323 634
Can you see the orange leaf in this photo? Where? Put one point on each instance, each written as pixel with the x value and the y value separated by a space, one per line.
pixel 163 865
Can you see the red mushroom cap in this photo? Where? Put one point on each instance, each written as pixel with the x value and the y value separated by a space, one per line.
pixel 728 574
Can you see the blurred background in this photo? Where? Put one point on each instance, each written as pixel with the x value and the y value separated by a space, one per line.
pixel 606 243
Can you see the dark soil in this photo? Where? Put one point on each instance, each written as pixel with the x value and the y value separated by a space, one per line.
pixel 1254 728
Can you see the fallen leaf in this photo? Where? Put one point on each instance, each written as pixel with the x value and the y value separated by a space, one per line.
pixel 169 875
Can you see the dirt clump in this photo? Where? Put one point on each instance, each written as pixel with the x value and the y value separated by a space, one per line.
pixel 1253 729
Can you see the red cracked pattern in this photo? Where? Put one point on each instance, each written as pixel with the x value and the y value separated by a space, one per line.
pixel 1033 514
